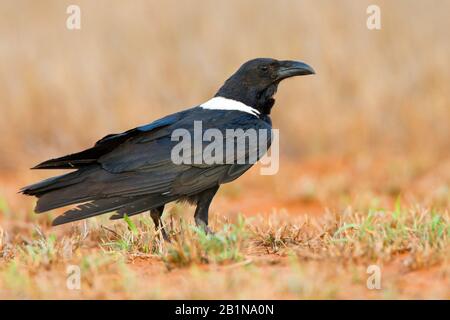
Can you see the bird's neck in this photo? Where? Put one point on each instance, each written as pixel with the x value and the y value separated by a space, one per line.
pixel 262 101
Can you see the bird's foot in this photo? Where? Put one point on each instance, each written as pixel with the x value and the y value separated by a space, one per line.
pixel 208 230
pixel 162 233
pixel 204 226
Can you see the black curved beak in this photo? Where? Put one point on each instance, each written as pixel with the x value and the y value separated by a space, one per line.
pixel 293 68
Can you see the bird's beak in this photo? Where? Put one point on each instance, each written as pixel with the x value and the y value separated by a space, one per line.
pixel 293 68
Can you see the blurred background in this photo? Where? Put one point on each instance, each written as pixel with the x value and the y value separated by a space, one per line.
pixel 374 119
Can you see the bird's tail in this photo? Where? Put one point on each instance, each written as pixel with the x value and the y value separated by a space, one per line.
pixel 52 193
pixel 122 205
pixel 77 187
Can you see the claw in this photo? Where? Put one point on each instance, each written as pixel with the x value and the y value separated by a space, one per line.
pixel 164 235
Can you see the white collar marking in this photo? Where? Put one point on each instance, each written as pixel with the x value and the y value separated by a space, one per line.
pixel 221 103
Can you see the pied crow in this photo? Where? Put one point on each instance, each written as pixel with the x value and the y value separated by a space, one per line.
pixel 134 171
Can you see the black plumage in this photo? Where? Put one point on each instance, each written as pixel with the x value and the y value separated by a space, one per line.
pixel 133 172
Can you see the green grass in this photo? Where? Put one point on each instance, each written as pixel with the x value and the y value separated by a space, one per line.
pixel 33 263
pixel 192 245
pixel 130 237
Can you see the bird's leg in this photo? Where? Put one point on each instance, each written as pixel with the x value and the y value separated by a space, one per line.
pixel 156 217
pixel 203 202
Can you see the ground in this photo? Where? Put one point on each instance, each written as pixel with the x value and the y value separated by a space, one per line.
pixel 311 231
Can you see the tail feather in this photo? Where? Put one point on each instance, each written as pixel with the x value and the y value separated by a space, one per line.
pixel 62 190
pixel 90 209
pixel 53 183
pixel 122 205
pixel 86 187
pixel 141 205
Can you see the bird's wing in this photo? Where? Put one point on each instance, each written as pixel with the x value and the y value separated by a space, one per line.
pixel 107 144
pixel 149 160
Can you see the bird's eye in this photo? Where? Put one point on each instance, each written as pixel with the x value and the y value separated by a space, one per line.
pixel 264 68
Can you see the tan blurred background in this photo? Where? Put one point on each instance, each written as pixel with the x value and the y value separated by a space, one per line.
pixel 378 93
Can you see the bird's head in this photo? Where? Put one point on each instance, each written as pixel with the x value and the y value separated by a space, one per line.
pixel 256 81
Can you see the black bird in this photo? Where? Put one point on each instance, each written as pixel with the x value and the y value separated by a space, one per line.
pixel 132 172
